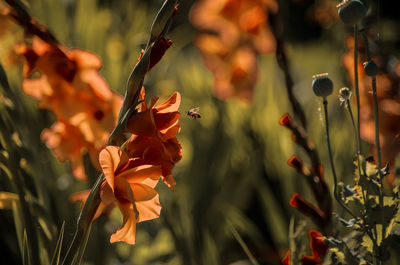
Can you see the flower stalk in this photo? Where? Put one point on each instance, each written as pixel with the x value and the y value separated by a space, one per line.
pixel 335 182
pixel 159 27
pixel 356 87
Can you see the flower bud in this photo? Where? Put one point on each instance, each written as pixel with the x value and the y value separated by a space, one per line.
pixel 351 11
pixel 370 68
pixel 286 120
pixel 322 85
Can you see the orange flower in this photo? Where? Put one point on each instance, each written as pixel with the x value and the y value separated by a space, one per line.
pixel 66 142
pixel 387 82
pixel 235 72
pixel 237 31
pixel 129 184
pixel 154 132
pixel 70 86
pixel 236 20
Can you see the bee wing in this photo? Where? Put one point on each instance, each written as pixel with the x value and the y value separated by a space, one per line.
pixel 195 109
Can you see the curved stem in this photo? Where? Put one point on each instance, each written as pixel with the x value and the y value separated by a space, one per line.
pixel 335 182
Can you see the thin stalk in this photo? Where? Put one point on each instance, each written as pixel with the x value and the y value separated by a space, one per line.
pixel 358 147
pixel 364 192
pixel 356 85
pixel 241 242
pixel 335 182
pixel 378 149
pixel 333 168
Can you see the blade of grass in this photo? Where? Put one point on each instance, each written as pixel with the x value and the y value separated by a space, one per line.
pixel 79 256
pixel 57 250
pixel 241 242
pixel 25 253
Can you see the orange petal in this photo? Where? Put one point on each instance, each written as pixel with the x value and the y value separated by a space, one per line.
pixel 172 131
pixel 165 120
pixel 142 123
pixel 84 59
pixel 37 87
pixel 171 104
pixel 142 192
pixel 127 231
pixel 149 209
pixel 140 173
pixel 106 193
pixel 110 159
pixel 96 83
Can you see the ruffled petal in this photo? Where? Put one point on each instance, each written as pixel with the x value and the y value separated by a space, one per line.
pixel 171 104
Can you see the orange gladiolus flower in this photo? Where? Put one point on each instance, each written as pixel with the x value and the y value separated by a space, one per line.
pixel 129 184
pixel 154 130
pixel 237 20
pixel 70 86
pixel 239 32
pixel 235 72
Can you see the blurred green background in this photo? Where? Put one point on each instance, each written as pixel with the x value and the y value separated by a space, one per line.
pixel 233 176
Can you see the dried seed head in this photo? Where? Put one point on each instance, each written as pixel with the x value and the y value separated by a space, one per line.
pixel 322 85
pixel 370 68
pixel 344 95
pixel 351 11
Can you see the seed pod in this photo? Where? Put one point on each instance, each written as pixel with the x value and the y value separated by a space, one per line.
pixel 366 4
pixel 370 68
pixel 352 11
pixel 322 85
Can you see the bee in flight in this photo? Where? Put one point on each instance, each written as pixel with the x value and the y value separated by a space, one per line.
pixel 194 113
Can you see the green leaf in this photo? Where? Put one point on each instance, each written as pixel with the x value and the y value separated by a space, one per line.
pixel 162 20
pixel 26 260
pixel 342 252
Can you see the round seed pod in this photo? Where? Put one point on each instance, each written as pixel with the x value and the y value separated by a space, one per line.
pixel 370 68
pixel 366 3
pixel 322 85
pixel 352 11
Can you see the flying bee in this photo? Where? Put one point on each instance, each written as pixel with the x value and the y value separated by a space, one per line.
pixel 194 113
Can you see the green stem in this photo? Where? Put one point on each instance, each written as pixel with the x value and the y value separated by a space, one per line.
pixel 358 153
pixel 356 85
pixel 84 221
pixel 378 151
pixel 335 182
pixel 333 167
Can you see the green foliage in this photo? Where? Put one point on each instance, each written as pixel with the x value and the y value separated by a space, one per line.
pixel 377 220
